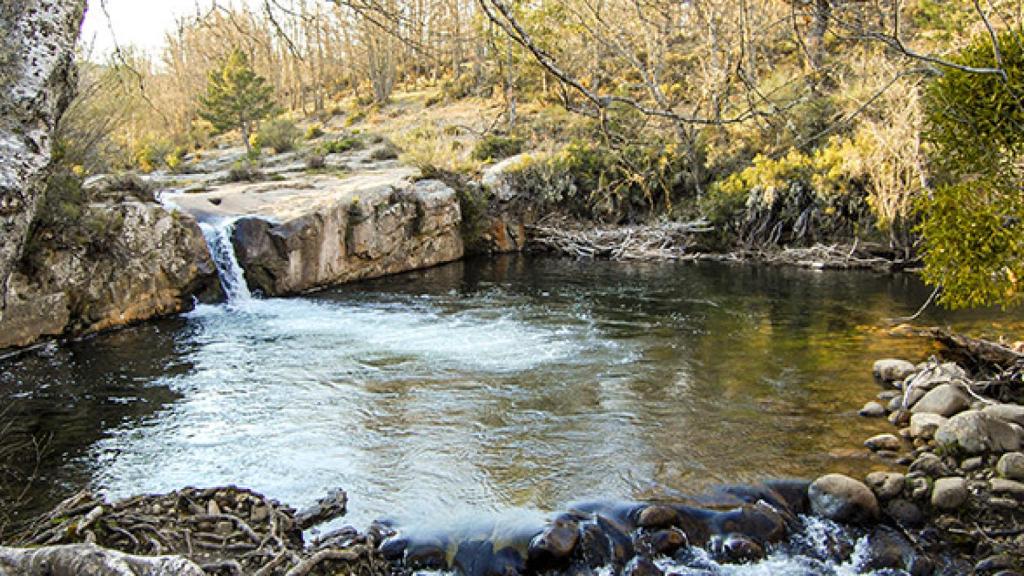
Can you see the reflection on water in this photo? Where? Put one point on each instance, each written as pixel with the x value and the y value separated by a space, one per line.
pixel 481 386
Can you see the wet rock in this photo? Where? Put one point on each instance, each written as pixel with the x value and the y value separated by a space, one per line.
pixel 736 549
pixel 883 442
pixel 793 492
pixel 556 541
pixel 885 485
pixel 843 499
pixel 924 424
pixel 994 563
pixel 640 566
pixel 872 410
pixel 1006 412
pixel 887 549
pixel 944 400
pixel 949 493
pixel 666 542
pixel 892 369
pixel 930 465
pixel 1011 465
pixel 426 556
pixel 657 516
pixel 905 513
pixel 976 432
pixel 1005 487
pixel 332 506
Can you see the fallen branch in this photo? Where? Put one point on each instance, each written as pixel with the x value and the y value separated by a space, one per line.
pixel 77 559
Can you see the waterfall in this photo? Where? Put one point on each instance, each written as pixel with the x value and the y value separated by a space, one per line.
pixel 232 277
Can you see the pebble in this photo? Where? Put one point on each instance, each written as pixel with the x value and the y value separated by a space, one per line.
pixel 892 369
pixel 1011 465
pixel 973 463
pixel 949 493
pixel 885 485
pixel 1007 487
pixel 872 410
pixel 924 424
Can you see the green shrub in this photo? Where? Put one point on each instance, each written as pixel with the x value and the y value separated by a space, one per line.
pixel 972 224
pixel 280 134
pixel 342 145
pixel 388 151
pixel 497 147
pixel 244 172
pixel 314 131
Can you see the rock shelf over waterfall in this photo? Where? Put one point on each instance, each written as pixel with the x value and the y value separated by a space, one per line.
pixel 311 231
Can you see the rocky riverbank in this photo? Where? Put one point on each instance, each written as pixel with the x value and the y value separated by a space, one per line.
pixel 957 440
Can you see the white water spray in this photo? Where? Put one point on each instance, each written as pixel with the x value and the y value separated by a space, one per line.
pixel 232 277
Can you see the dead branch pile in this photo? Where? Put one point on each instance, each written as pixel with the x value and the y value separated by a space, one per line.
pixel 224 530
pixel 665 241
pixel 819 257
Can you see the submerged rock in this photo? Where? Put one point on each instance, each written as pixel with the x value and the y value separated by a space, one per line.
pixel 843 499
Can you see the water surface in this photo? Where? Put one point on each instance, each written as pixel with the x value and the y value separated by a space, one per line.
pixel 517 384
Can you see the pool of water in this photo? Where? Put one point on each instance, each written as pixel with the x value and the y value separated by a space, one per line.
pixel 482 387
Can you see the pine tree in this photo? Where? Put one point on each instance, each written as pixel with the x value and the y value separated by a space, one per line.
pixel 236 97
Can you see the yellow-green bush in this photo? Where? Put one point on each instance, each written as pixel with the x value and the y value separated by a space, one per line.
pixel 280 134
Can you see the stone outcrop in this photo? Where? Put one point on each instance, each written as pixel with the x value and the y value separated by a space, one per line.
pixel 151 263
pixel 37 79
pixel 501 227
pixel 311 232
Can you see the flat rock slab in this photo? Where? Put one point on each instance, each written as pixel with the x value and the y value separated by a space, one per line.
pixel 292 198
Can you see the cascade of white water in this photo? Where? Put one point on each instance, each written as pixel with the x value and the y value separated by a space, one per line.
pixel 232 277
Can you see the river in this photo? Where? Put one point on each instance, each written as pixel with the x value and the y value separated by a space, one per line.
pixel 513 385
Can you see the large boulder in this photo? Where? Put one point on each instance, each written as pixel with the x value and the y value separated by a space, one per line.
pixel 1013 413
pixel 153 265
pixel 306 233
pixel 977 432
pixel 843 499
pixel 37 81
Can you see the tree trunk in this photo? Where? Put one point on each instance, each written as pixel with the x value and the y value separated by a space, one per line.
pixel 37 81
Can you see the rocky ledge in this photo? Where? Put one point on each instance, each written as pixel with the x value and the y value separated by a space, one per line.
pixel 311 231
pixel 141 261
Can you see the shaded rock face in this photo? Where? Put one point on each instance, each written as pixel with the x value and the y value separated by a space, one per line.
pixel 382 231
pixel 37 79
pixel 503 225
pixel 151 267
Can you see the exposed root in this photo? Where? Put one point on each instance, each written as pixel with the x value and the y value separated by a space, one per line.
pixel 225 531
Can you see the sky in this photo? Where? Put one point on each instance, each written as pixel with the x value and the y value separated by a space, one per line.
pixel 142 23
